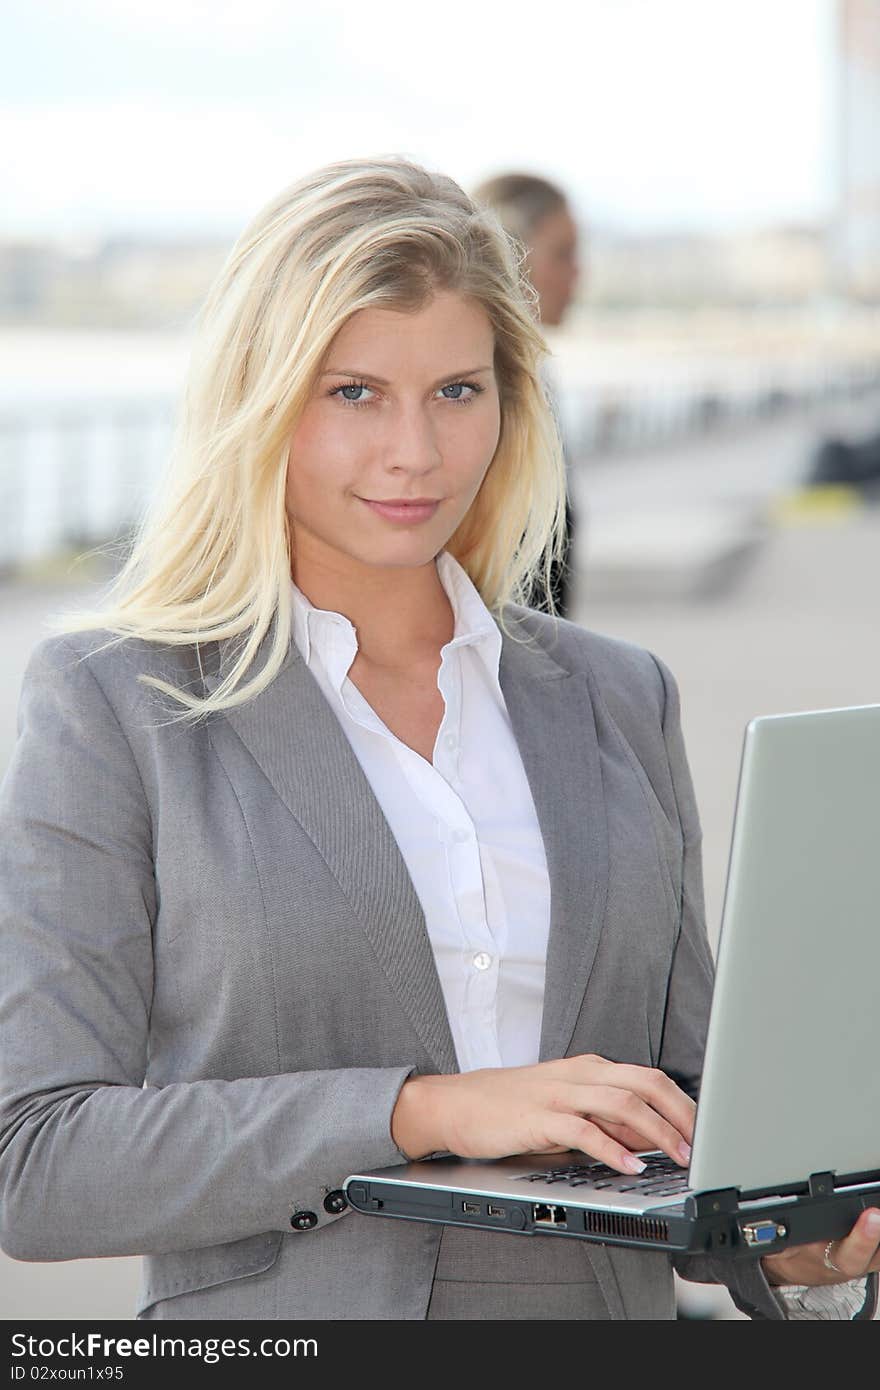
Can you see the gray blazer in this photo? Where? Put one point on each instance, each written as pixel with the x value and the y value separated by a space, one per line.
pixel 216 974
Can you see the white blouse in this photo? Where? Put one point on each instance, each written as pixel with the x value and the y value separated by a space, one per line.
pixel 465 824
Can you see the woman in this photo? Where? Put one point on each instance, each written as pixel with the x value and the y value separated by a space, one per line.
pixel 537 214
pixel 281 827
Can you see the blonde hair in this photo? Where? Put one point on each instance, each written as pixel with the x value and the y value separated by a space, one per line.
pixel 211 557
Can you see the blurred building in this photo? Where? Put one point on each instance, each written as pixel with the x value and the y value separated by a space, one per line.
pixel 115 282
pixel 140 284
pixel 856 236
pixel 768 267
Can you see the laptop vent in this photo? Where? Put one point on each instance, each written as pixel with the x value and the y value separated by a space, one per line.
pixel 611 1223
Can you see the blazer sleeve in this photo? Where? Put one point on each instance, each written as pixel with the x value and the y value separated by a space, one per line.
pixel 93 1161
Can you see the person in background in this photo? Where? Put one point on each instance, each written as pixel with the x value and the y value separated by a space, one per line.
pixel 537 213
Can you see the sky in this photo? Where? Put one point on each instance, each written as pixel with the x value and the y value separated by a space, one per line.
pixel 183 117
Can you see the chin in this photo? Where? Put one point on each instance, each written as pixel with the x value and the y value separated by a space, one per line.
pixel 414 559
pixel 403 550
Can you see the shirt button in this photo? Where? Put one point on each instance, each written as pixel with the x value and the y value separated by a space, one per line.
pixel 303 1220
pixel 461 836
pixel 450 741
pixel 482 960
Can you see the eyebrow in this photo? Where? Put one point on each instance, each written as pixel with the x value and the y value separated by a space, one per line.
pixel 450 376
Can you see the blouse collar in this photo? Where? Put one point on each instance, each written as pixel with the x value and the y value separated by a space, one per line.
pixel 334 637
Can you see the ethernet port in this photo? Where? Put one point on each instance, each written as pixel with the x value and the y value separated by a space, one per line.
pixel 545 1214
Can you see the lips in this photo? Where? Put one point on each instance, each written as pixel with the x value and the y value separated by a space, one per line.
pixel 403 510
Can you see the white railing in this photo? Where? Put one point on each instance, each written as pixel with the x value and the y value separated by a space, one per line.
pixel 78 474
pixel 619 418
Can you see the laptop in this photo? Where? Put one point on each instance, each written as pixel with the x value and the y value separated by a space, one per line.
pixel 786 1145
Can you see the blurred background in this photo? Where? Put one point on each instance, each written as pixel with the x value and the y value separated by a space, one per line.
pixel 698 187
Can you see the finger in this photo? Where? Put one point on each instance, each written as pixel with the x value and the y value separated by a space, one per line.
pixel 858 1251
pixel 601 1103
pixel 619 1106
pixel 629 1137
pixel 659 1091
pixel 578 1133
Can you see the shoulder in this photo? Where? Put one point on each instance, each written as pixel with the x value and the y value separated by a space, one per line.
pixel 98 666
pixel 628 677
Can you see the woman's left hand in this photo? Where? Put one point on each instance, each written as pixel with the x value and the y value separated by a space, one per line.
pixel 855 1255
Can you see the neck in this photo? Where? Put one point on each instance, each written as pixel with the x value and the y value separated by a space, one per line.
pixel 402 616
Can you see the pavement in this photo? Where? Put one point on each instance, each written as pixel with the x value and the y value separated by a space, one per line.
pixel 792 624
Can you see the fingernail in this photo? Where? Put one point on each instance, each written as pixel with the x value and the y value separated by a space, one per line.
pixel 873 1223
pixel 633 1164
pixel 685 1152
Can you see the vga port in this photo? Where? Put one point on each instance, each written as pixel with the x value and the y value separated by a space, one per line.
pixel 762 1232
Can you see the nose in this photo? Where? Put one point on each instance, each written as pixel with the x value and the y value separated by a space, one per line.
pixel 411 445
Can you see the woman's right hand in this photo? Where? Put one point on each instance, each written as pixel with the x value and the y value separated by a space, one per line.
pixel 606 1109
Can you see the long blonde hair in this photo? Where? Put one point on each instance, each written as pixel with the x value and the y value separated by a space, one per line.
pixel 211 557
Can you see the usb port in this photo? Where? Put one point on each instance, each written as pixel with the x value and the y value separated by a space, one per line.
pixel 473 1208
pixel 544 1214
pixel 496 1211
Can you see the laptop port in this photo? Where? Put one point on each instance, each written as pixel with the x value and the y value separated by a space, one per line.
pixel 762 1232
pixel 496 1211
pixel 543 1214
pixel 472 1208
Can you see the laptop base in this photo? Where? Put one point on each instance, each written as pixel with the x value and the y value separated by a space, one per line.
pixel 741 1229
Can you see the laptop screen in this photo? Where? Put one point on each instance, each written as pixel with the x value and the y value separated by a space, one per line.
pixel 791 1081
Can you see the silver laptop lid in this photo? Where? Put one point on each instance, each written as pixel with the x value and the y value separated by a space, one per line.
pixel 791 1082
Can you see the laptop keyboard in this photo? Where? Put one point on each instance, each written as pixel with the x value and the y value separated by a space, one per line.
pixel 662 1177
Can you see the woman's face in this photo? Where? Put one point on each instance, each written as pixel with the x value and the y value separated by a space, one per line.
pixel 406 410
pixel 552 263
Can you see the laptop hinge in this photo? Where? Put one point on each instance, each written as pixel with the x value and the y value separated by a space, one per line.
pixel 820 1184
pixel 816 1185
pixel 711 1203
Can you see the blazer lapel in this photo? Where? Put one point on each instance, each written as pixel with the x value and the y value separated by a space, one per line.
pixel 295 738
pixel 551 711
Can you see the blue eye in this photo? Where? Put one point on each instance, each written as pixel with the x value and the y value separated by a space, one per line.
pixel 453 386
pixel 457 386
pixel 351 386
